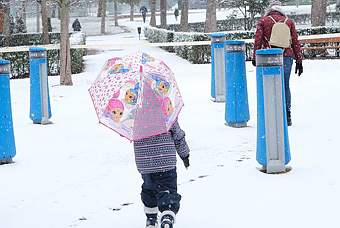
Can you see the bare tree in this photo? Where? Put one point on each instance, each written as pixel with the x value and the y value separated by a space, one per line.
pixel 163 6
pixel 318 12
pixel 23 11
pixel 44 19
pixel 115 6
pixel 103 13
pixel 38 16
pixel 2 18
pixel 184 15
pixel 210 19
pixel 100 8
pixel 65 52
pixel 132 6
pixel 153 12
pixel 6 21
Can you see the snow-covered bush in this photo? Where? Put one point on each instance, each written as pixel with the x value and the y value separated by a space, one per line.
pixel 239 23
pixel 20 60
pixel 202 54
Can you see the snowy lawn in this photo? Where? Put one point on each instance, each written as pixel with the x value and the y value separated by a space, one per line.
pixel 77 173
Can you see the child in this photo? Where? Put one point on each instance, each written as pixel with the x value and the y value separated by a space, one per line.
pixel 156 161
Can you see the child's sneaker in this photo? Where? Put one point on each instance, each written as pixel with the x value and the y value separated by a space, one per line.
pixel 167 219
pixel 151 221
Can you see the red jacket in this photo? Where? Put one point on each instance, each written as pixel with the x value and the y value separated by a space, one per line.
pixel 264 30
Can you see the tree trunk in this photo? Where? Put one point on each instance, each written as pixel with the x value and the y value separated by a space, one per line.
pixel 100 8
pixel 163 5
pixel 210 19
pixel 153 13
pixel 245 18
pixel 131 9
pixel 38 17
pixel 103 13
pixel 115 5
pixel 184 15
pixel 65 52
pixel 24 16
pixel 6 26
pixel 318 12
pixel 44 19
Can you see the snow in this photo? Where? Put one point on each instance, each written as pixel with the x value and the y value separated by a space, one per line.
pixel 77 173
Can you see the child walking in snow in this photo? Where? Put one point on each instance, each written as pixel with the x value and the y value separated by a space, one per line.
pixel 156 161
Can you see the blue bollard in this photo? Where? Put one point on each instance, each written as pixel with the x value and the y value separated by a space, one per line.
pixel 236 106
pixel 272 150
pixel 7 142
pixel 217 67
pixel 40 109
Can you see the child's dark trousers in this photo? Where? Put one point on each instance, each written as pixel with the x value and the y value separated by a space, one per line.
pixel 160 190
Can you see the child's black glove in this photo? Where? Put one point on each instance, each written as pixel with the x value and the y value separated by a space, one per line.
pixel 186 161
pixel 253 62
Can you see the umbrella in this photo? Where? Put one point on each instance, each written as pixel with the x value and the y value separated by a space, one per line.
pixel 143 9
pixel 136 96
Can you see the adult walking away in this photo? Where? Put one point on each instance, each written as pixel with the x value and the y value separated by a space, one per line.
pixel 143 10
pixel 176 13
pixel 76 25
pixel 276 30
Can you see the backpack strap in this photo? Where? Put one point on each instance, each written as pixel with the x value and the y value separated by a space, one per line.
pixel 286 20
pixel 272 19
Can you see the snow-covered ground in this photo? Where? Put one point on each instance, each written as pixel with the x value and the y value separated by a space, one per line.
pixel 77 173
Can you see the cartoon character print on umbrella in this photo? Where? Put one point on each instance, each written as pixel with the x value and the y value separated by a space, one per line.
pixel 161 86
pixel 115 108
pixel 118 68
pixel 131 94
pixel 167 107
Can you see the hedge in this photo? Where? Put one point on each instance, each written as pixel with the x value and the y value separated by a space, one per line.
pixel 230 24
pixel 20 60
pixel 202 54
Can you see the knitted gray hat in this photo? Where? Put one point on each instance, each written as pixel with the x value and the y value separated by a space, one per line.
pixel 274 5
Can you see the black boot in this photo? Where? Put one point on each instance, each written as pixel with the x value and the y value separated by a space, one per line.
pixel 167 219
pixel 151 221
pixel 289 118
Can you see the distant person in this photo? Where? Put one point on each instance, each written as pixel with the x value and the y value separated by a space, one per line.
pixel 282 35
pixel 144 11
pixel 76 25
pixel 176 13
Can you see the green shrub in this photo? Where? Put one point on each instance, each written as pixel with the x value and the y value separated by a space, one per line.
pixel 20 60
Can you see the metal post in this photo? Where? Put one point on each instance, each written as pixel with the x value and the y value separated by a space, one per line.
pixel 40 109
pixel 236 106
pixel 272 150
pixel 7 142
pixel 217 67
pixel 139 30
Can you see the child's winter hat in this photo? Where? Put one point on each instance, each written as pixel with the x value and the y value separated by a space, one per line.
pixel 274 5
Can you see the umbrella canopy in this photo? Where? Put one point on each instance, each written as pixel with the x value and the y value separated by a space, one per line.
pixel 143 9
pixel 136 96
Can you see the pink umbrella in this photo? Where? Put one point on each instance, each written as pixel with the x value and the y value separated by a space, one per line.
pixel 136 96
